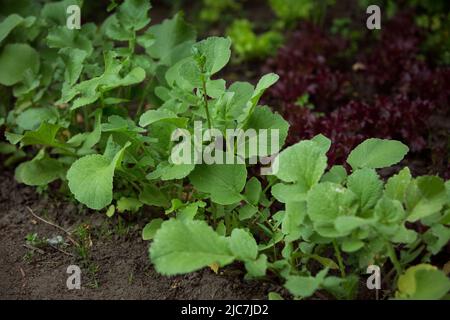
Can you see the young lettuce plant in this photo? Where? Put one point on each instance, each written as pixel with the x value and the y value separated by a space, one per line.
pixel 357 215
pixel 362 219
pixel 106 156
pixel 90 115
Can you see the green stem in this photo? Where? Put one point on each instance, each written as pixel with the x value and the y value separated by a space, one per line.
pixel 132 43
pixel 269 185
pixel 339 258
pixel 205 98
pixel 244 123
pixel 393 257
pixel 141 102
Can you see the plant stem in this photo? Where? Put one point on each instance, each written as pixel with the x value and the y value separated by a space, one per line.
pixel 132 43
pixel 393 257
pixel 205 98
pixel 141 102
pixel 339 258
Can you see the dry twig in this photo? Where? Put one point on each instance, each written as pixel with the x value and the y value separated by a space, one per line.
pixel 69 235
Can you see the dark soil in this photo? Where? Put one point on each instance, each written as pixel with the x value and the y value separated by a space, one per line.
pixel 117 266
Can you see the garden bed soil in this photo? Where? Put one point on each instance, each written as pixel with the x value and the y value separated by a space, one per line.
pixel 118 266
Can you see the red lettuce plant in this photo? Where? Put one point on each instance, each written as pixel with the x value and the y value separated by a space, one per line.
pixel 389 91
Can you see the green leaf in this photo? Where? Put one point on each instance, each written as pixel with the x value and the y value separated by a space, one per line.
pixel 89 91
pixel 304 287
pixel 189 211
pixel 263 84
pixel 346 224
pixel 326 262
pixel 73 60
pixel 389 212
pixel 175 205
pixel 187 246
pixel 93 137
pixel 192 75
pixel 111 210
pixel 169 37
pixel 377 153
pixel 128 204
pixel 293 217
pixel 15 59
pixel 404 235
pixel 224 182
pixel 91 179
pixel 275 296
pixel 169 171
pixel 397 185
pixel 118 124
pixel 327 201
pixel 337 174
pixel 423 282
pixel 247 211
pixel 436 238
pixel 132 14
pixel 264 119
pixel 39 171
pixel 152 116
pixel 153 196
pixel 426 196
pixel 62 37
pixel 242 93
pixel 216 52
pixel 113 29
pixel 256 268
pixel 32 118
pixel 9 24
pixel 342 288
pixel 323 142
pixel 303 163
pixel 55 12
pixel 367 186
pixel 45 135
pixel 253 190
pixel 13 138
pixel 243 245
pixel 6 148
pixel 352 245
pixel 215 88
pixel 447 187
pixel 289 192
pixel 150 229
